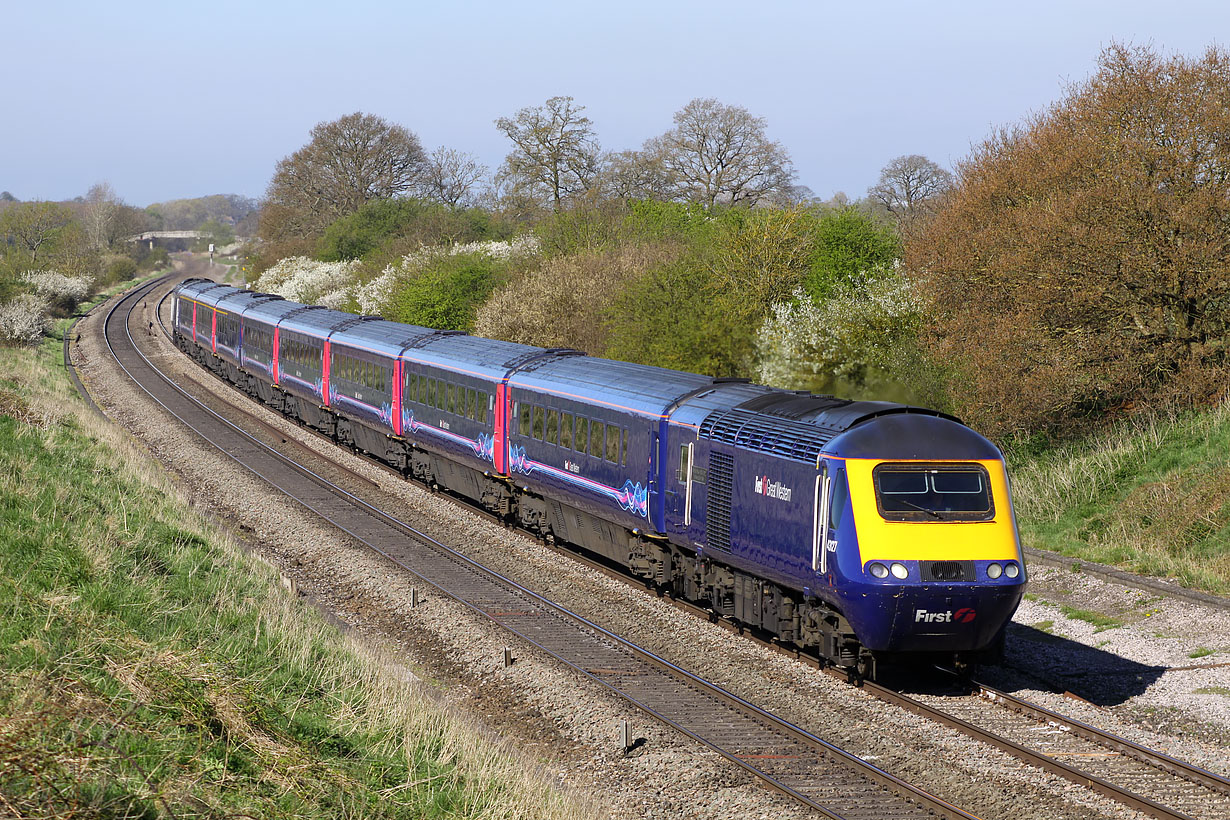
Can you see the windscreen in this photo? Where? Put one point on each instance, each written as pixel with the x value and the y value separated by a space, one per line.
pixel 933 493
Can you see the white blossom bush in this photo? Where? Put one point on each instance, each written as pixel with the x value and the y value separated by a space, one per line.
pixel 24 320
pixel 300 279
pixel 865 329
pixel 336 284
pixel 59 292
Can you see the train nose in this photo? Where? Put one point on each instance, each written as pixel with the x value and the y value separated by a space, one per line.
pixel 949 619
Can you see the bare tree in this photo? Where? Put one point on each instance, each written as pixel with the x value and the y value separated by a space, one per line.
pixel 348 162
pixel 555 154
pixel 451 177
pixel 909 188
pixel 635 175
pixel 102 207
pixel 719 153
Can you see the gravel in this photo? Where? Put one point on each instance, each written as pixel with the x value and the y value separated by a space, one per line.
pixel 571 725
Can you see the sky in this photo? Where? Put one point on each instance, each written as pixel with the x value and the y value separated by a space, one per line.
pixel 174 100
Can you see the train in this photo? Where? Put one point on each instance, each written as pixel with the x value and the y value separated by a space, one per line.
pixel 858 531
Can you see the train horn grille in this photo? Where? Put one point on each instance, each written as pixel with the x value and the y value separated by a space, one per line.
pixel 948 570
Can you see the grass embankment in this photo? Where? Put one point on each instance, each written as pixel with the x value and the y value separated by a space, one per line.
pixel 1152 497
pixel 150 668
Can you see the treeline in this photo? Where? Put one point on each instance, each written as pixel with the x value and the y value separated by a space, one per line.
pixel 1073 269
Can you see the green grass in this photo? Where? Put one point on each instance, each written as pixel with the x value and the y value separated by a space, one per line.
pixel 1213 690
pixel 151 668
pixel 1202 652
pixel 1151 496
pixel 1099 620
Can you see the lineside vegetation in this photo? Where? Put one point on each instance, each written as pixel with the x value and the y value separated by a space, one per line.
pixel 151 668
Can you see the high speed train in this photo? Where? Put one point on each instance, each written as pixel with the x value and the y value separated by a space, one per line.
pixel 857 530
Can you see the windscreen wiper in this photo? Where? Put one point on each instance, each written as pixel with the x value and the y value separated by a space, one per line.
pixel 919 507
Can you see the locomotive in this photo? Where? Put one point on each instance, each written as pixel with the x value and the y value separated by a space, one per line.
pixel 857 530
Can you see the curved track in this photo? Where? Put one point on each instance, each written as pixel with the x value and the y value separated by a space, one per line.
pixel 785 757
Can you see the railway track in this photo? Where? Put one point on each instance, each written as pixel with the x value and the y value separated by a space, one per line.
pixel 783 756
pixel 1147 780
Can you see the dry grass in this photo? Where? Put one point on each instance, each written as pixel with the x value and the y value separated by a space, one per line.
pixel 1152 495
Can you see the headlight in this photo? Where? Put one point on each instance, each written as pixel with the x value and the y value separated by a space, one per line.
pixel 994 571
pixel 878 570
pixel 1011 569
pixel 899 570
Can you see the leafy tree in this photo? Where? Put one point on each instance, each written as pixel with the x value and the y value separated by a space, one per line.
pixel 348 162
pixel 555 153
pixel 719 154
pixel 759 258
pixel 847 241
pixel 448 294
pixel 217 233
pixel 1081 265
pixel 668 318
pixel 35 229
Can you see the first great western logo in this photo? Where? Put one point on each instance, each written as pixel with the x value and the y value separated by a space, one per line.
pixel 772 489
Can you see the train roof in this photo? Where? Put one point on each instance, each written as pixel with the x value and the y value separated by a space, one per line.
pixel 381 336
pixel 485 358
pixel 272 311
pixel 317 321
pixel 633 387
pixel 201 290
pixel 237 301
pixel 801 426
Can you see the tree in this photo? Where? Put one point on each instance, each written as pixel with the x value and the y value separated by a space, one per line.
pixel 100 215
pixel 34 227
pixel 909 188
pixel 719 154
pixel 1081 265
pixel 846 243
pixel 635 175
pixel 451 177
pixel 349 161
pixel 555 154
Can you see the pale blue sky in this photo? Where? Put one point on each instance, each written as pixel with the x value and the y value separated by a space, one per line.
pixel 170 100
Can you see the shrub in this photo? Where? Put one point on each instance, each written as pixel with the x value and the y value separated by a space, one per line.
pixel 447 294
pixel 330 284
pixel 564 302
pixel 861 340
pixel 24 320
pixel 58 292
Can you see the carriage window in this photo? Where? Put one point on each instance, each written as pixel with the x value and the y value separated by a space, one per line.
pixel 553 427
pixel 471 400
pixel 538 422
pixel 482 407
pixel 412 385
pixel 431 392
pixel 624 447
pixel 595 438
pixel 525 418
pixel 565 430
pixel 908 492
pixel 612 444
pixel 682 473
pixel 441 393
pixel 581 441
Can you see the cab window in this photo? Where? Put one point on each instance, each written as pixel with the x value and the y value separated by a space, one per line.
pixel 909 492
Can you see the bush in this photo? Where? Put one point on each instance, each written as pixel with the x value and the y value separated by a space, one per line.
pixel 1078 270
pixel 860 341
pixel 300 279
pixel 118 269
pixel 24 320
pixel 446 295
pixel 564 303
pixel 58 292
